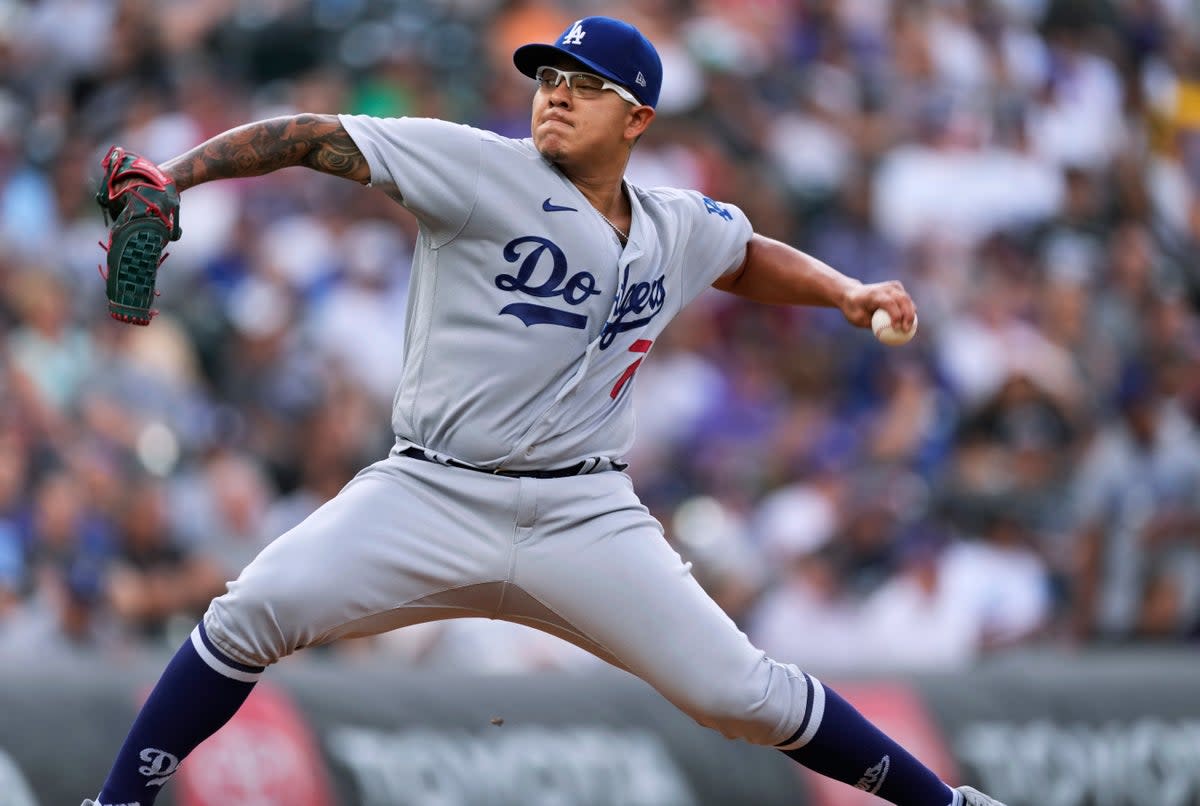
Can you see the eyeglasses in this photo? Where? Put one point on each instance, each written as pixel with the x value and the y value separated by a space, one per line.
pixel 581 84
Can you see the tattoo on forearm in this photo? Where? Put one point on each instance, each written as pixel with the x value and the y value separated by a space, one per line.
pixel 315 141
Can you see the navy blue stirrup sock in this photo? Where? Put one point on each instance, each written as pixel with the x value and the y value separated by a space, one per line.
pixel 835 740
pixel 199 691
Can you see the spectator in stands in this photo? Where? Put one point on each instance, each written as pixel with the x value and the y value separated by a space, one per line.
pixel 956 599
pixel 61 532
pixel 1137 504
pixel 218 510
pixel 68 617
pixel 809 615
pixel 154 578
pixel 12 577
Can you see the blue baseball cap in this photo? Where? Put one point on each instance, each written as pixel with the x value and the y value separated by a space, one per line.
pixel 609 47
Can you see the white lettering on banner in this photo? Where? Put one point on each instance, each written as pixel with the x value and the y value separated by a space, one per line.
pixel 530 766
pixel 1114 764
pixel 251 764
pixel 14 789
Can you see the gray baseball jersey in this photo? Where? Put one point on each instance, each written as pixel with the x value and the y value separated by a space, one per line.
pixel 526 318
pixel 526 324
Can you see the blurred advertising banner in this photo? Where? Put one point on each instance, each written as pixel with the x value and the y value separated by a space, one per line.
pixel 266 754
pixel 1100 729
pixel 1112 730
pixel 600 739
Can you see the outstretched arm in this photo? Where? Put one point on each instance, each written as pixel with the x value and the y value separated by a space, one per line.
pixel 776 273
pixel 314 141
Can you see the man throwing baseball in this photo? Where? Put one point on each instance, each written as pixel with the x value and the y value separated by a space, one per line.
pixel 541 280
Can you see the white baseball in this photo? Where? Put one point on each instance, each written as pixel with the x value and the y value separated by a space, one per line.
pixel 881 325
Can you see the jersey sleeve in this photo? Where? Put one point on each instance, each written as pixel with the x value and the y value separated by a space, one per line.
pixel 430 166
pixel 714 236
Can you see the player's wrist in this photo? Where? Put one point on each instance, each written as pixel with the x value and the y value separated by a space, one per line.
pixel 846 294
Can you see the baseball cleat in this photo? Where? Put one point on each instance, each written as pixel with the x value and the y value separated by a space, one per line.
pixel 973 797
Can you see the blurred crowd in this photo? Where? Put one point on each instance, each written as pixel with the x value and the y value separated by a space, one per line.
pixel 1026 472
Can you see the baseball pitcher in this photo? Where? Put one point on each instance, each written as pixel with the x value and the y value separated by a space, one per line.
pixel 541 280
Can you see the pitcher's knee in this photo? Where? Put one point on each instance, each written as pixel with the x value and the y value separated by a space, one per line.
pixel 254 623
pixel 764 709
pixel 273 608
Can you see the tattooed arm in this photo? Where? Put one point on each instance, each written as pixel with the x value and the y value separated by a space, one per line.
pixel 314 141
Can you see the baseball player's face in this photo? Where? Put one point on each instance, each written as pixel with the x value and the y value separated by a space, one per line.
pixel 569 130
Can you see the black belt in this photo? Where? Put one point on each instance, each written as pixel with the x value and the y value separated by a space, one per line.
pixel 573 470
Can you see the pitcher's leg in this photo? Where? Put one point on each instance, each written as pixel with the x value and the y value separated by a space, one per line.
pixel 376 557
pixel 617 583
pixel 613 578
pixel 190 702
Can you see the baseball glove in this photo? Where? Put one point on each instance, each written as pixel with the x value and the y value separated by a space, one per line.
pixel 142 205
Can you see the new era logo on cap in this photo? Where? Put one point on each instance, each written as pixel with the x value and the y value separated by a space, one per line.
pixel 606 46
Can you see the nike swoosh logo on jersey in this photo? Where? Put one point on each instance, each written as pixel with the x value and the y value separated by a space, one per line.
pixel 555 208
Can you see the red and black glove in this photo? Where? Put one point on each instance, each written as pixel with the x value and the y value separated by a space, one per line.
pixel 142 205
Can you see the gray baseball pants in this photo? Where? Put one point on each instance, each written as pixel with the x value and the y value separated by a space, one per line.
pixel 579 557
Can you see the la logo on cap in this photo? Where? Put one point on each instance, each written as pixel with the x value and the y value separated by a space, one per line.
pixel 575 35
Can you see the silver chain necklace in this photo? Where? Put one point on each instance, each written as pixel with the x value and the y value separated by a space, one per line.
pixel 622 234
